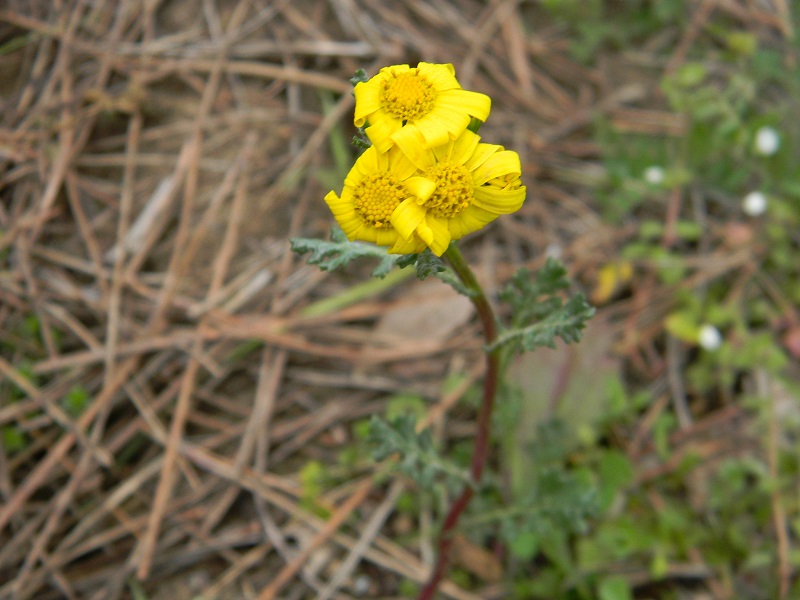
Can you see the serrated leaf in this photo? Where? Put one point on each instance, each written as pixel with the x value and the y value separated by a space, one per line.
pixel 566 321
pixel 427 264
pixel 555 502
pixel 524 294
pixel 418 458
pixel 539 314
pixel 360 140
pixel 360 76
pixel 338 252
pixel 407 260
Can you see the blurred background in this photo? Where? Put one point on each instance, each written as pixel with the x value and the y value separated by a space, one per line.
pixel 185 403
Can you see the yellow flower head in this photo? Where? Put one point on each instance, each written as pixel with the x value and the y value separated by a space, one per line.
pixel 373 189
pixel 416 108
pixel 474 184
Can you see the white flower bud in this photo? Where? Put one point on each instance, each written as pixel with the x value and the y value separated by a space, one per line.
pixel 654 175
pixel 754 203
pixel 767 141
pixel 554 250
pixel 709 337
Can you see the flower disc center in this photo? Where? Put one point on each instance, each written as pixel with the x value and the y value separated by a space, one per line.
pixel 453 192
pixel 376 198
pixel 408 96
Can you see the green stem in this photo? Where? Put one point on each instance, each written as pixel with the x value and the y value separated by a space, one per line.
pixel 481 451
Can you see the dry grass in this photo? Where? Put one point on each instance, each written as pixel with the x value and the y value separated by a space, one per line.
pixel 154 159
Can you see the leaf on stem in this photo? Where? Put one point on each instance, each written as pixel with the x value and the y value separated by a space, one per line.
pixel 539 314
pixel 427 263
pixel 418 458
pixel 338 252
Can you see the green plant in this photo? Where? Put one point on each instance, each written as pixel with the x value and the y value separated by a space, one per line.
pixel 426 181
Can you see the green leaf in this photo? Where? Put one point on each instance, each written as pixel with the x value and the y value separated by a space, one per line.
pixel 525 545
pixel 360 76
pixel 340 252
pixel 564 320
pixel 525 295
pixel 614 587
pixel 75 400
pixel 539 314
pixel 418 458
pixel 615 473
pixel 13 439
pixel 427 263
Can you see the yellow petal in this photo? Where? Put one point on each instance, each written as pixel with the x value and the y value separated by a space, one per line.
pixel 499 164
pixel 407 217
pixel 440 239
pixel 394 70
pixel 420 187
pixel 385 236
pixel 368 100
pixel 382 162
pixel 471 219
pixel 425 233
pixel 437 127
pixel 441 76
pixel 331 197
pixel 481 154
pixel 411 143
pixel 380 131
pixel 465 146
pixel 410 246
pixel 501 202
pixel 473 104
pixel 338 205
pixel 443 152
pixel 366 165
pixel 400 165
pixel 352 227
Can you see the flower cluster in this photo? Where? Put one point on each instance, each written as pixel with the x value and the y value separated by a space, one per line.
pixel 427 179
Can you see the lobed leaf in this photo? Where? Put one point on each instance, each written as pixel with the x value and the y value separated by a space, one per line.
pixel 427 263
pixel 533 300
pixel 566 322
pixel 525 296
pixel 418 458
pixel 338 252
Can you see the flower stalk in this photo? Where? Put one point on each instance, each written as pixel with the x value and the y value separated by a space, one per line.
pixel 480 452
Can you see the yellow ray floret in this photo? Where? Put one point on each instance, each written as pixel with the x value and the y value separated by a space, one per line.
pixel 416 108
pixel 373 189
pixel 474 184
pixel 441 195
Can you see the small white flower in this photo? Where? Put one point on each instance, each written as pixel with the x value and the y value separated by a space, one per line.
pixel 767 141
pixel 361 585
pixel 554 250
pixel 754 203
pixel 654 175
pixel 709 337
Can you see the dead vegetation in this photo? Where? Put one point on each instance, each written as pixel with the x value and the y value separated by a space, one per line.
pixel 155 157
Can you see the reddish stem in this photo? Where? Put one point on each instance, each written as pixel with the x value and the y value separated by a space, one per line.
pixel 481 451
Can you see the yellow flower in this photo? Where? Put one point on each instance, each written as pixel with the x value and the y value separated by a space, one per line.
pixel 416 108
pixel 475 183
pixel 376 185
